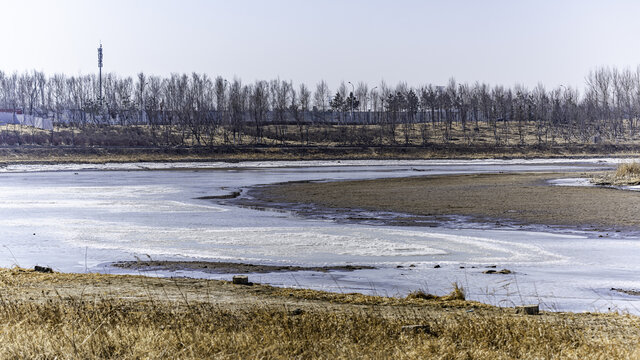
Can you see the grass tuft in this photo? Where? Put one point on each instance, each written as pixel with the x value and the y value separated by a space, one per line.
pixel 419 294
pixel 456 294
pixel 627 173
pixel 628 170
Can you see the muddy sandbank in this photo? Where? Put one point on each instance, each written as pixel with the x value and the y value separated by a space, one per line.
pixel 215 267
pixel 526 198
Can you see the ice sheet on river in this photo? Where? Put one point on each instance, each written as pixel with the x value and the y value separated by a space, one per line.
pixel 74 218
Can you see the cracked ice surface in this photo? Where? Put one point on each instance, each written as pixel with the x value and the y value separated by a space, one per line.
pixel 60 215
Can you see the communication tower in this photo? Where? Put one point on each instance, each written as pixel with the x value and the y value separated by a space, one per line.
pixel 100 70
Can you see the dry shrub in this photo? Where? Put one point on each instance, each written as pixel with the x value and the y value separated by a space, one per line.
pixel 628 170
pixel 456 294
pixel 625 174
pixel 421 295
pixel 416 298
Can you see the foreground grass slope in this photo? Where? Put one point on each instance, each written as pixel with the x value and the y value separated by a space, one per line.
pixel 88 316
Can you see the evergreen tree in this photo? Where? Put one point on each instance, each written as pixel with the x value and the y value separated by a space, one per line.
pixel 351 102
pixel 337 103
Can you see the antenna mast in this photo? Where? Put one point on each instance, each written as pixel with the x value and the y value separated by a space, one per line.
pixel 100 70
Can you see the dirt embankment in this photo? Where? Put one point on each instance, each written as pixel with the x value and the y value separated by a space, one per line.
pixel 527 198
pixel 32 154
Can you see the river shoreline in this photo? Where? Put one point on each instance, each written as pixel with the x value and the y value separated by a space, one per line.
pixel 44 155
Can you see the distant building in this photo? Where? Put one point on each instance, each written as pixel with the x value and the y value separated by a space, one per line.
pixel 9 116
pixel 16 116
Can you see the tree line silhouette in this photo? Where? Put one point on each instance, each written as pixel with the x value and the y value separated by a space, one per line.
pixel 197 110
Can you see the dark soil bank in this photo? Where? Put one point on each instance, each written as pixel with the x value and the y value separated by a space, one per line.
pixel 226 267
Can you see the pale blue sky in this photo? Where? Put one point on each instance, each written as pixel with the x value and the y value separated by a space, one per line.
pixel 499 42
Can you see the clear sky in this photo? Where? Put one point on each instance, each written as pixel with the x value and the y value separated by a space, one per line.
pixel 495 41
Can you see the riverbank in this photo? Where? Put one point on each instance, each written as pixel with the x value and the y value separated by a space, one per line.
pixel 524 198
pixel 67 154
pixel 114 316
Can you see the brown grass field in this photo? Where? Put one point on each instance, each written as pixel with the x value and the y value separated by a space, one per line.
pixel 91 316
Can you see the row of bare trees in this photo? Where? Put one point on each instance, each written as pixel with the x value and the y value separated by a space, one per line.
pixel 199 110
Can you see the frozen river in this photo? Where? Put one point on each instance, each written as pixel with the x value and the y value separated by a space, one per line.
pixel 78 218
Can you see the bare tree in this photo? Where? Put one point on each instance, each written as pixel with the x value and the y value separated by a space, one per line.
pixel 303 122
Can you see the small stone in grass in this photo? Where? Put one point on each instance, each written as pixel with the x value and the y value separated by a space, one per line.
pixel 241 280
pixel 43 269
pixel 528 309
pixel 503 271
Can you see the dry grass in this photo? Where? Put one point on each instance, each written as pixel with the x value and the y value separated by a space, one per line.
pixel 627 173
pixel 456 294
pixel 628 170
pixel 77 326
pixel 454 299
pixel 76 329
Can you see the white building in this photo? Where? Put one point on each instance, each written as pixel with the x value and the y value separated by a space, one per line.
pixel 16 117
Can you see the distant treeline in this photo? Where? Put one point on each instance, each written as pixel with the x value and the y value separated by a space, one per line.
pixel 198 110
